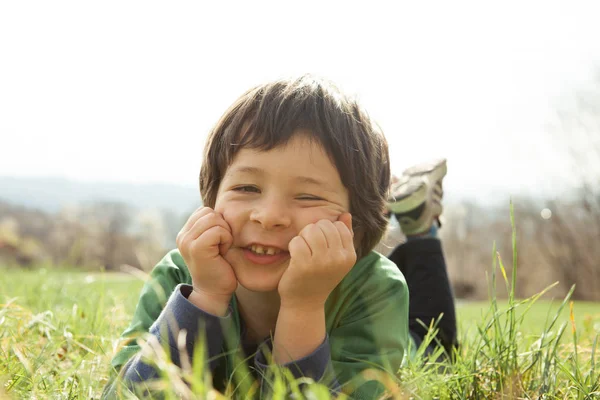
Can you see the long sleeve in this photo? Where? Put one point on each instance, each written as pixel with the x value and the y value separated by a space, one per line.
pixel 179 314
pixel 164 278
pixel 317 366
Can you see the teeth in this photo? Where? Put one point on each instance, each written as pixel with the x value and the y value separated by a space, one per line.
pixel 270 251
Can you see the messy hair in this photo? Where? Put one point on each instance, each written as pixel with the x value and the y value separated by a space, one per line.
pixel 269 115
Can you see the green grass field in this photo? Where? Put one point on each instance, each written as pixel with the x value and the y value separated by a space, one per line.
pixel 58 330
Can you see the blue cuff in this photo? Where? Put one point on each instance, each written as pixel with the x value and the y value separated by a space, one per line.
pixel 179 313
pixel 316 365
pixel 430 234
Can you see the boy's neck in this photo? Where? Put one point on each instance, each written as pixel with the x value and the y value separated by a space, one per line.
pixel 259 311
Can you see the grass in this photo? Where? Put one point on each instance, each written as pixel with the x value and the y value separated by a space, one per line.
pixel 59 329
pixel 587 316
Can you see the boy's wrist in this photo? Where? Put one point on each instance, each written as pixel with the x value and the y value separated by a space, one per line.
pixel 214 304
pixel 299 331
pixel 308 309
pixel 300 306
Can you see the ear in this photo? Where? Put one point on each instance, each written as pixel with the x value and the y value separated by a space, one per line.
pixel 346 219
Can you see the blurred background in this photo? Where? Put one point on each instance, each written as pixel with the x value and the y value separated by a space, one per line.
pixel 104 108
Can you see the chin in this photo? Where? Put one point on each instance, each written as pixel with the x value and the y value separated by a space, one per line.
pixel 255 286
pixel 258 278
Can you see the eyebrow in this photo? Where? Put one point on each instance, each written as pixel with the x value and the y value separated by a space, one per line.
pixel 310 180
pixel 247 170
pixel 259 171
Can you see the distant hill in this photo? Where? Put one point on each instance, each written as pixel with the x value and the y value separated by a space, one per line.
pixel 51 194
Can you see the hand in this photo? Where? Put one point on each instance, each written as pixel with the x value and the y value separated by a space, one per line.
pixel 321 255
pixel 202 242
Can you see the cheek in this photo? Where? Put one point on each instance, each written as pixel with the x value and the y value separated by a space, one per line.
pixel 235 216
pixel 220 207
pixel 223 206
pixel 311 216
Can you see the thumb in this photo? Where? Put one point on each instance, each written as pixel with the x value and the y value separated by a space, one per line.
pixel 225 243
pixel 346 219
pixel 226 239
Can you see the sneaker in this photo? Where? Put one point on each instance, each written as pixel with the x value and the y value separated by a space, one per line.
pixel 416 197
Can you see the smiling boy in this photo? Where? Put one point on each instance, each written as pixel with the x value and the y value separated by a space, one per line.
pixel 287 242
pixel 294 181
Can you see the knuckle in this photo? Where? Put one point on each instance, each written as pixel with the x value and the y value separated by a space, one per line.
pixel 184 245
pixel 210 216
pixel 200 212
pixel 204 212
pixel 310 227
pixel 323 223
pixel 340 225
pixel 215 218
pixel 295 243
pixel 197 245
pixel 342 228
pixel 209 232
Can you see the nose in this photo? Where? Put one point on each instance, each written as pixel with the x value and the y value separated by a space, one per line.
pixel 272 212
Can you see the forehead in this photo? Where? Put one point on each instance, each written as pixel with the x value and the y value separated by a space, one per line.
pixel 301 157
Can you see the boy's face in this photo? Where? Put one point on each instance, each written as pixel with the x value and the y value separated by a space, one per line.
pixel 267 197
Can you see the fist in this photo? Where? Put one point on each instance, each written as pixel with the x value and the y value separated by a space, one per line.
pixel 320 256
pixel 202 242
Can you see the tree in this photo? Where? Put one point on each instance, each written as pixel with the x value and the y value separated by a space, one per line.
pixel 571 235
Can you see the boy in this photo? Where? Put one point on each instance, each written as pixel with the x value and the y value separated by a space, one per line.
pixel 294 182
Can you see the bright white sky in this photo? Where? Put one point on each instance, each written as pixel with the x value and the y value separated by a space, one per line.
pixel 124 90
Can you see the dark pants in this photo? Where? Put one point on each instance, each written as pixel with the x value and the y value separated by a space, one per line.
pixel 423 265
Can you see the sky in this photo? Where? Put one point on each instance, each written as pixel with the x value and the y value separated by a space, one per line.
pixel 127 90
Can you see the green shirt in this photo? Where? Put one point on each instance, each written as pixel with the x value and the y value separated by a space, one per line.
pixel 366 317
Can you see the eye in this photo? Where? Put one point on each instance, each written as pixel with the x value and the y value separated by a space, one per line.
pixel 308 197
pixel 247 189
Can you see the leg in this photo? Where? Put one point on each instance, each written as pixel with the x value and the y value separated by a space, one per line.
pixel 416 204
pixel 422 263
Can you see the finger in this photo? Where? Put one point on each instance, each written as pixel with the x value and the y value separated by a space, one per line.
pixel 226 245
pixel 212 239
pixel 346 219
pixel 208 221
pixel 315 238
pixel 345 235
pixel 299 249
pixel 226 242
pixel 202 224
pixel 199 213
pixel 332 236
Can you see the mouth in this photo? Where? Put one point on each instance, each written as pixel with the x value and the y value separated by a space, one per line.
pixel 260 250
pixel 261 254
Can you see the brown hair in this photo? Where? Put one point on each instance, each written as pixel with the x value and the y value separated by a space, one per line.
pixel 268 116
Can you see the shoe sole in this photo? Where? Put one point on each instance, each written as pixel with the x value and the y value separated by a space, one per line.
pixel 413 197
pixel 437 169
pixel 433 171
